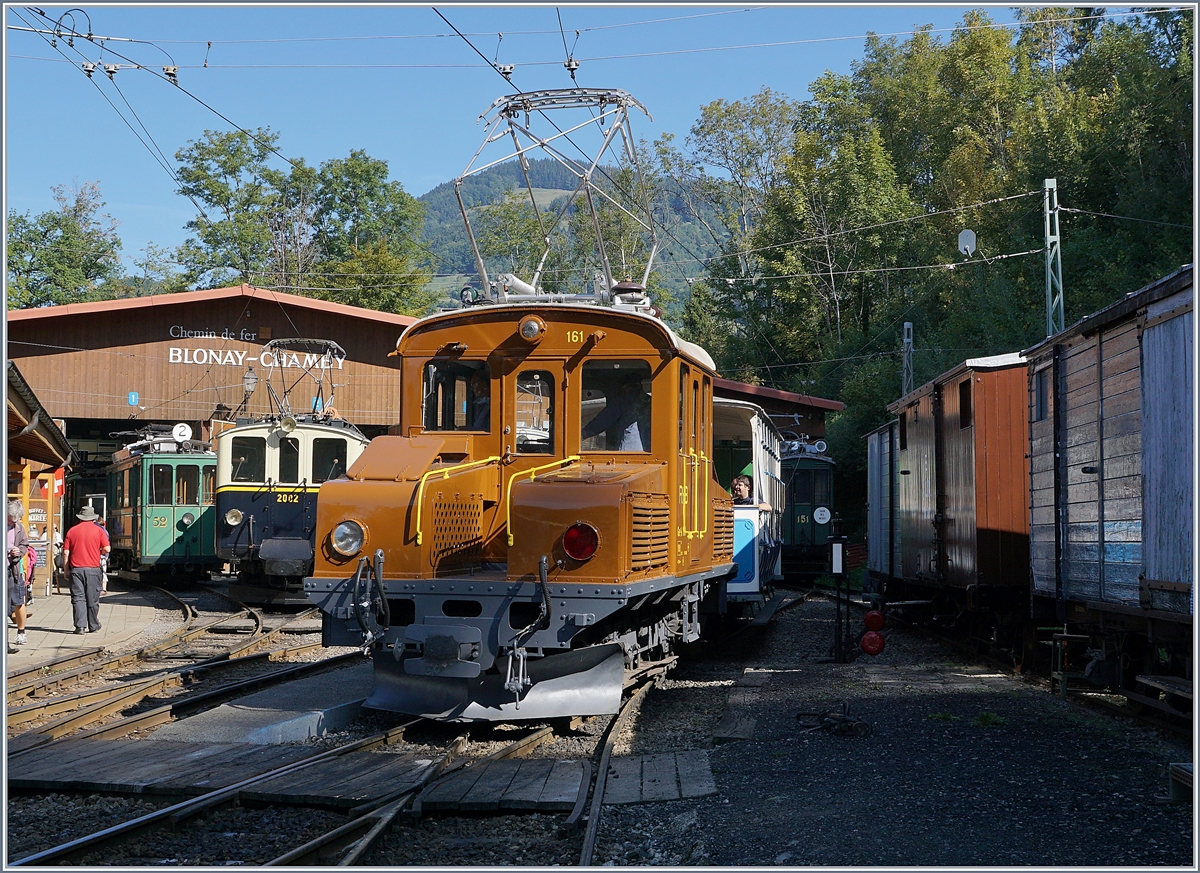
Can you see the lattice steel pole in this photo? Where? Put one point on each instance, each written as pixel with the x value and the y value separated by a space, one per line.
pixel 907 377
pixel 1055 322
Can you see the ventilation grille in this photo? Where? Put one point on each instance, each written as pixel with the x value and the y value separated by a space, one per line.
pixel 650 534
pixel 457 534
pixel 722 530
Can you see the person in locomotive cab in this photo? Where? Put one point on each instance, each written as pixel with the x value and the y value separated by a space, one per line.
pixel 628 414
pixel 481 400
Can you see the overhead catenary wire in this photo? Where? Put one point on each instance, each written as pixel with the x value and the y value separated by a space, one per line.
pixel 176 84
pixel 630 56
pixel 1125 218
pixel 156 153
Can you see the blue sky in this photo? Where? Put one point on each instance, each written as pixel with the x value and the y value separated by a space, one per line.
pixel 393 80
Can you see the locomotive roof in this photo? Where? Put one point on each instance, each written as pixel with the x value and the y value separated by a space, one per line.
pixel 685 348
pixel 306 419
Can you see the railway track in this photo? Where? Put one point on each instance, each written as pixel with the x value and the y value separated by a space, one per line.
pixel 223 649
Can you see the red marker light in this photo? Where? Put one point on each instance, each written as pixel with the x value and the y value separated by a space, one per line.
pixel 872 642
pixel 873 620
pixel 580 541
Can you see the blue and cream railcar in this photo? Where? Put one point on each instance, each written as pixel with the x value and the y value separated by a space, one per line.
pixel 161 517
pixel 747 442
pixel 268 476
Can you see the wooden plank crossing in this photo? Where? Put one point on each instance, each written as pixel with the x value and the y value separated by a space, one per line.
pixel 658 778
pixel 150 767
pixel 345 781
pixel 527 784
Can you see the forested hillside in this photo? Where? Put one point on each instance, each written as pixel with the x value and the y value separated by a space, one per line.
pixel 851 229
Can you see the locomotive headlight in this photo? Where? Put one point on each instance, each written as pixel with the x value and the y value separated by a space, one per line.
pixel 188 519
pixel 233 517
pixel 531 329
pixel 347 538
pixel 580 541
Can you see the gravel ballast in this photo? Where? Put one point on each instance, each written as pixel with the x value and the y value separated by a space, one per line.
pixel 964 766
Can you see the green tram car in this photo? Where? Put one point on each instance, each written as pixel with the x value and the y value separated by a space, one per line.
pixel 807 523
pixel 161 507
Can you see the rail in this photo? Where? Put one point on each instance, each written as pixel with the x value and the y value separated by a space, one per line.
pixel 131 695
pixel 614 730
pixel 173 815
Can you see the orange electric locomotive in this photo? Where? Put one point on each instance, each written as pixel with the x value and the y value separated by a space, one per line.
pixel 547 523
pixel 544 520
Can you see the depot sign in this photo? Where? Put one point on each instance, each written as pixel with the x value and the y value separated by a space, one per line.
pixel 204 356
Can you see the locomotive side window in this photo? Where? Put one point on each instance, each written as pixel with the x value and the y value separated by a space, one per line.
pixel 187 485
pixel 535 412
pixel 683 380
pixel 964 403
pixel 329 459
pixel 162 480
pixel 249 457
pixel 289 460
pixel 615 407
pixel 208 485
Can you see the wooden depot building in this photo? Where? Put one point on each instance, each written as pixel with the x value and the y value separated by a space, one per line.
pixel 118 365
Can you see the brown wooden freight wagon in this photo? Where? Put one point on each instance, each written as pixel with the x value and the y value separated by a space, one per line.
pixel 1111 430
pixel 963 505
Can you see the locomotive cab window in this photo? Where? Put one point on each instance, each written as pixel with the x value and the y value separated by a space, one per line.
pixel 456 396
pixel 615 407
pixel 329 459
pixel 964 403
pixel 535 412
pixel 249 458
pixel 187 485
pixel 289 460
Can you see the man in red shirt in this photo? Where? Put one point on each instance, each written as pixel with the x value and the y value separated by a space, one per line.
pixel 81 551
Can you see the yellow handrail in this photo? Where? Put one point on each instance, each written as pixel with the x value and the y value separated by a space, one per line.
pixel 445 474
pixel 532 474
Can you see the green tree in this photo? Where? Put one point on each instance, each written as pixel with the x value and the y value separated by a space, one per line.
pixel 374 277
pixel 227 174
pixel 356 205
pixel 64 255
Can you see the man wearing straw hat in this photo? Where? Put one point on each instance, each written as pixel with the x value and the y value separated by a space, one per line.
pixel 82 549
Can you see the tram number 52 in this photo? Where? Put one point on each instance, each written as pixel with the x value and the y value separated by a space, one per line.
pixel 158 521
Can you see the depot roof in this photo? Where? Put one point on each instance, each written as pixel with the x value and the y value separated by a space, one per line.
pixel 124 304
